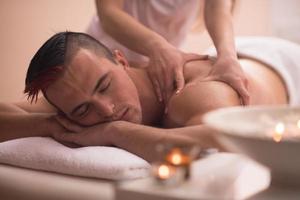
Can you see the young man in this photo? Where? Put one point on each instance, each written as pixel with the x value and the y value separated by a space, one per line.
pixel 100 100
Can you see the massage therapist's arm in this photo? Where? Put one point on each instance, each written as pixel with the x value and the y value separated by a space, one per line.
pixel 23 119
pixel 218 20
pixel 125 29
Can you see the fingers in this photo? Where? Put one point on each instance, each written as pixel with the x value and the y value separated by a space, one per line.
pixel 179 78
pixel 156 86
pixel 169 86
pixel 242 89
pixel 67 124
pixel 161 81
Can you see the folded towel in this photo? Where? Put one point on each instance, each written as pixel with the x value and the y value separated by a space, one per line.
pixel 46 154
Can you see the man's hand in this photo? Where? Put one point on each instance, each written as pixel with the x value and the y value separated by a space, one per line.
pixel 97 135
pixel 67 124
pixel 228 70
pixel 166 69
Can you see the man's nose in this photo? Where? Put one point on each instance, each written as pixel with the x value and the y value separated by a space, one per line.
pixel 104 107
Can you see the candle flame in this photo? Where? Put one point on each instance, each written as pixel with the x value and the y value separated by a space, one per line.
pixel 278 133
pixel 298 123
pixel 176 159
pixel 163 171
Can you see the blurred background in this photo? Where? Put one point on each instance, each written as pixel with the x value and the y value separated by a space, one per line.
pixel 26 25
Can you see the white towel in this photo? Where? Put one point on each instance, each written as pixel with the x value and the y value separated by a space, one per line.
pixel 48 155
pixel 281 55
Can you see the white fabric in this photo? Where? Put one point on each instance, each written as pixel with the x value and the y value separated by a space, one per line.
pixel 48 155
pixel 172 19
pixel 281 55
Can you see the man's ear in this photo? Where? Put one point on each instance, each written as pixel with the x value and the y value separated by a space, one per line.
pixel 119 56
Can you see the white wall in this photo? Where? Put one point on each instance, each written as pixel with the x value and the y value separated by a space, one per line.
pixel 24 26
pixel 287 27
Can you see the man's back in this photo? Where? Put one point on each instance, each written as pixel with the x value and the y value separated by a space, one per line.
pixel 199 97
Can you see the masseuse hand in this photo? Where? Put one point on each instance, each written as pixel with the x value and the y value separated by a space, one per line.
pixel 166 69
pixel 229 70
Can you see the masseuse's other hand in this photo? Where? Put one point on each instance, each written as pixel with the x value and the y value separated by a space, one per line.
pixel 229 70
pixel 166 69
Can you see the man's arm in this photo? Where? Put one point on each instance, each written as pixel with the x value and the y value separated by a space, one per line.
pixel 23 119
pixel 139 139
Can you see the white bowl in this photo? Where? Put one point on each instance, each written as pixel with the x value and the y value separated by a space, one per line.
pixel 249 130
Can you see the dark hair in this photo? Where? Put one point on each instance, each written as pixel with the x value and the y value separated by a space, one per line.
pixel 51 59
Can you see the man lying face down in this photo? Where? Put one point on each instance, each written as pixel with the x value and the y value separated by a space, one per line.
pixel 91 96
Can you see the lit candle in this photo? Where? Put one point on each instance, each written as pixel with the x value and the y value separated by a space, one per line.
pixel 278 132
pixel 177 157
pixel 180 160
pixel 164 171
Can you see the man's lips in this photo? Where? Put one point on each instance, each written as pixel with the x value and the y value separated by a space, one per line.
pixel 124 114
pixel 121 114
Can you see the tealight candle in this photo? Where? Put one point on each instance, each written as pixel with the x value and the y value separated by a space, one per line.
pixel 167 175
pixel 182 161
pixel 165 171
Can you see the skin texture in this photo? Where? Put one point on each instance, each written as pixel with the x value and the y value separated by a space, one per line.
pixel 142 126
pixel 166 61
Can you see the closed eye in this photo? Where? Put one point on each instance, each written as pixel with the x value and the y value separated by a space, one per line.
pixel 105 86
pixel 83 110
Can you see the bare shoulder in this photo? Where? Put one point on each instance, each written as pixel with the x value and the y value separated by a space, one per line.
pixel 40 106
pixel 197 98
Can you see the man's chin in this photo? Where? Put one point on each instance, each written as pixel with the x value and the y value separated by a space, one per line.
pixel 136 121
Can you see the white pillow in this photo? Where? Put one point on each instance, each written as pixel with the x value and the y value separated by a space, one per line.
pixel 46 154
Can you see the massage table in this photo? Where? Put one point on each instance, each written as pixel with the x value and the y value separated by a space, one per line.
pixel 37 168
pixel 27 184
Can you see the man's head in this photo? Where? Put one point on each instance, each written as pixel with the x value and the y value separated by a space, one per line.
pixel 83 79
